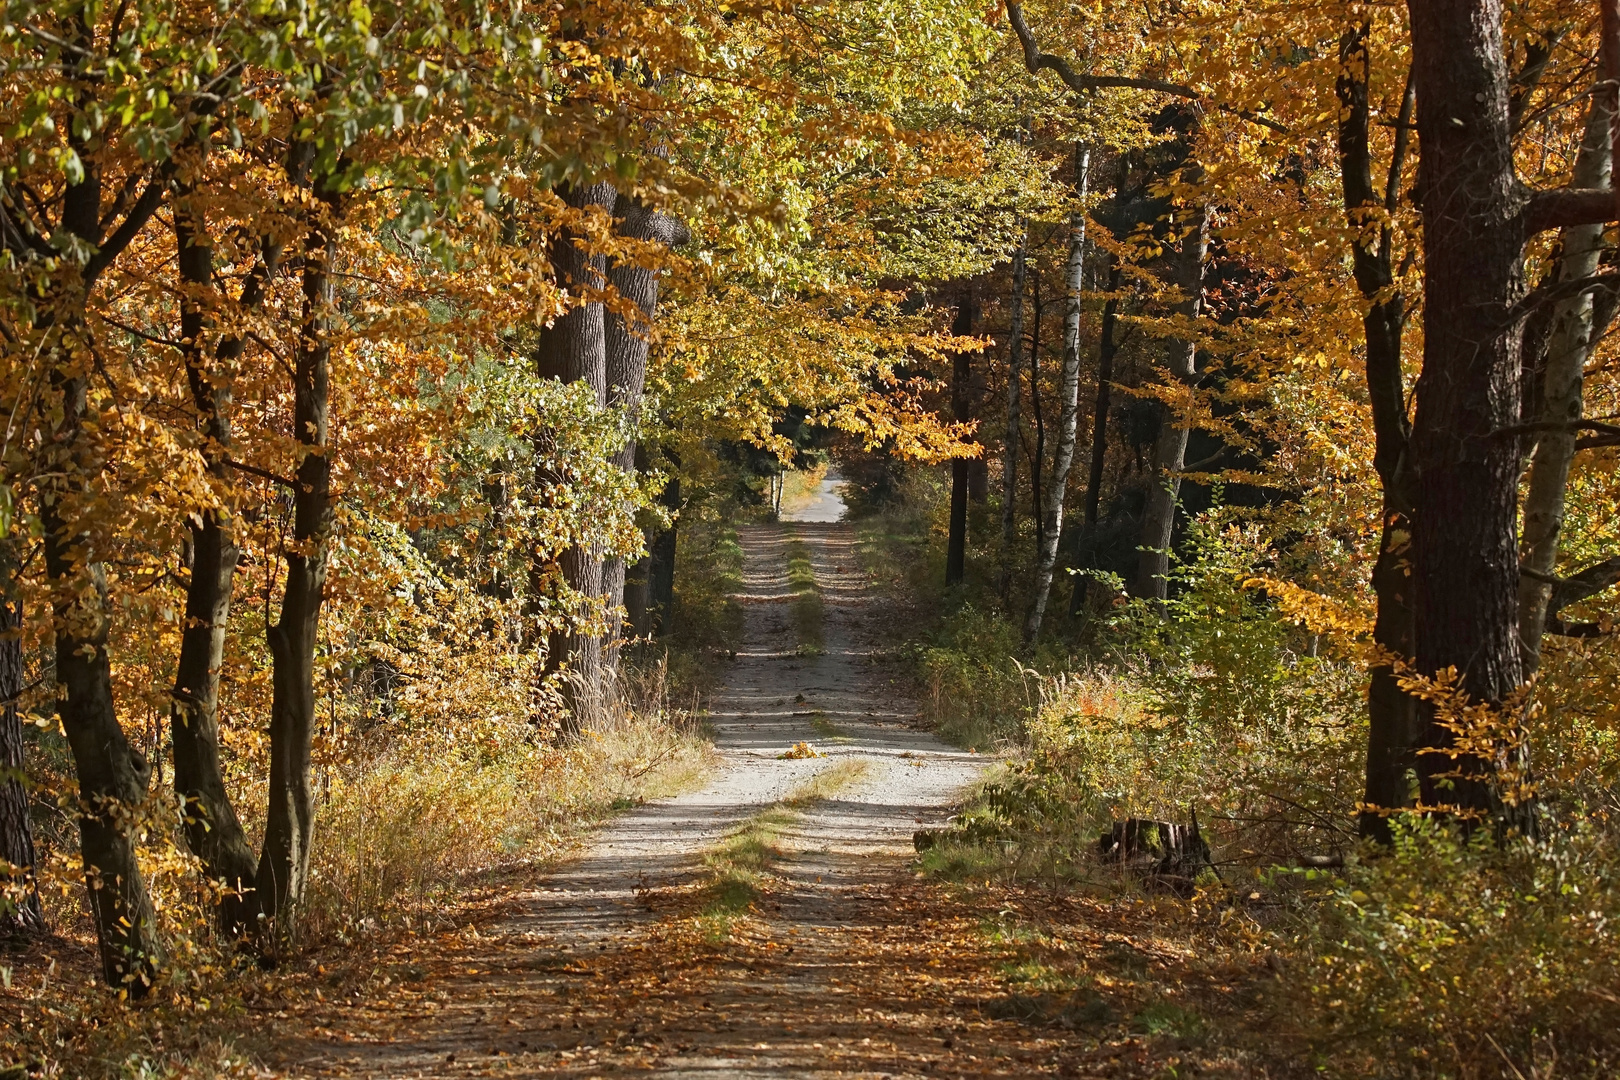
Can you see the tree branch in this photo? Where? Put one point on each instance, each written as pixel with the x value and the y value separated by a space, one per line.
pixel 253 470
pixel 1557 425
pixel 1542 295
pixel 1562 208
pixel 1036 62
pixel 133 223
pixel 1584 584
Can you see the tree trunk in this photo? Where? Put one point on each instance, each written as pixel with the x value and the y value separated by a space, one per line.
pixel 574 348
pixel 661 557
pixel 1107 349
pixel 1170 451
pixel 1037 460
pixel 112 774
pixel 212 830
pixel 1465 554
pixel 283 873
pixel 1393 729
pixel 19 909
pixel 626 345
pixel 1574 335
pixel 1068 403
pixel 961 374
pixel 1009 450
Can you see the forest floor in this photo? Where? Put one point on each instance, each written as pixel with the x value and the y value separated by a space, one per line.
pixel 774 924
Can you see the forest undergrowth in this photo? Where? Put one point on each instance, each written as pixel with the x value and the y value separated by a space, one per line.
pixel 1447 955
pixel 411 841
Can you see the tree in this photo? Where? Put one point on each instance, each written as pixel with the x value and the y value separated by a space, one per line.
pixel 961 410
pixel 1009 460
pixel 1477 217
pixel 1393 732
pixel 19 903
pixel 1068 404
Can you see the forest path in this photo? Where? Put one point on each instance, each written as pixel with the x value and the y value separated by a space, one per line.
pixel 609 966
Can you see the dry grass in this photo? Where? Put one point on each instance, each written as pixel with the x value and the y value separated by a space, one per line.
pixel 403 835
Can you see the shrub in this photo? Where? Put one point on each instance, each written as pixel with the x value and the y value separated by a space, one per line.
pixel 1458 958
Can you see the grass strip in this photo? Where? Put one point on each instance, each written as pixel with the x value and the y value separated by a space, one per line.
pixel 823 726
pixel 739 866
pixel 807 613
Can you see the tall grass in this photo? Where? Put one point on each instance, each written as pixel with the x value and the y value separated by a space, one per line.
pixel 402 831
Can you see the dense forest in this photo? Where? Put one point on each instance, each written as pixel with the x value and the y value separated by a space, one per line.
pixel 1224 391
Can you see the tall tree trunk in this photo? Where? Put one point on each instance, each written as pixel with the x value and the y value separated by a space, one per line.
pixel 1037 460
pixel 212 830
pixel 1574 335
pixel 1010 448
pixel 626 345
pixel 1393 729
pixel 1465 553
pixel 638 576
pixel 283 873
pixel 1068 403
pixel 113 775
pixel 1107 349
pixel 961 374
pixel 19 910
pixel 574 348
pixel 1170 450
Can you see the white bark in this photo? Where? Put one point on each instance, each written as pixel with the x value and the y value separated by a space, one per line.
pixel 1569 346
pixel 1069 404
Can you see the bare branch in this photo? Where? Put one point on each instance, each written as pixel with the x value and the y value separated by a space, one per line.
pixel 1561 208
pixel 253 470
pixel 1036 62
pixel 1584 584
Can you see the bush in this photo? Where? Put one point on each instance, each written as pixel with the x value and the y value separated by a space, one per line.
pixel 1458 958
pixel 1208 707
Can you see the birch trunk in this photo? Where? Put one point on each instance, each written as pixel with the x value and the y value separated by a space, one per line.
pixel 1069 405
pixel 1569 346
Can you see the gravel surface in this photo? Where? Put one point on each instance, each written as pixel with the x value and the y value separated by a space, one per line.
pixel 600 971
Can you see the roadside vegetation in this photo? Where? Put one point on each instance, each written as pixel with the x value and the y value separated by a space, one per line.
pixel 1443 955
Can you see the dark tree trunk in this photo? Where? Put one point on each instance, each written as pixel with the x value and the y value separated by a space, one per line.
pixel 1010 441
pixel 1465 553
pixel 112 774
pixel 1393 729
pixel 627 345
pixel 1107 349
pixel 574 348
pixel 1170 450
pixel 637 577
pixel 1037 460
pixel 212 830
pixel 283 873
pixel 661 557
pixel 19 912
pixel 961 376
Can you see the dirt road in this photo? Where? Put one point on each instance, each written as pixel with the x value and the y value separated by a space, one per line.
pixel 604 969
